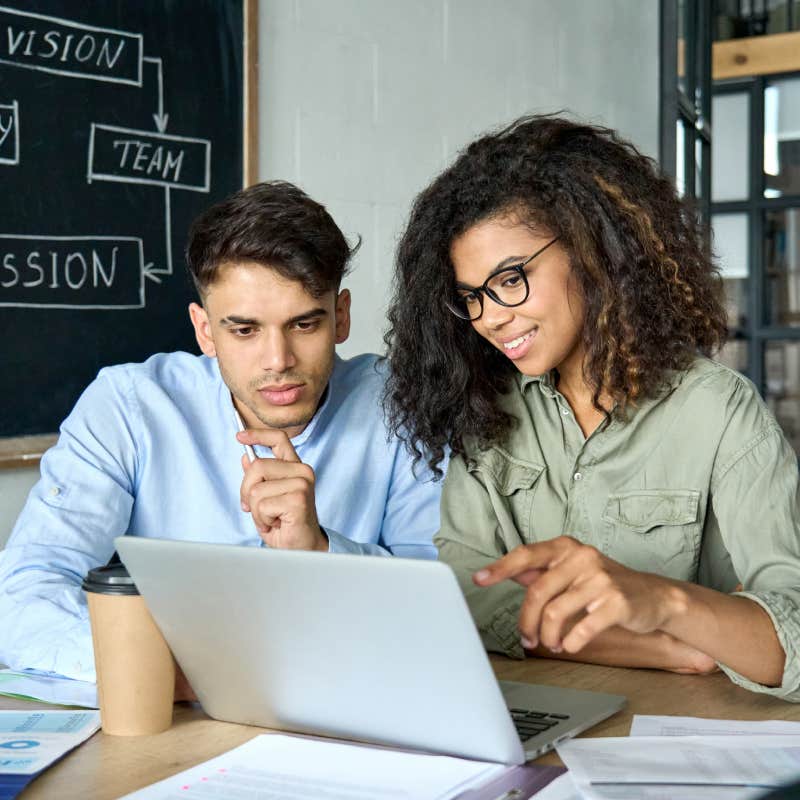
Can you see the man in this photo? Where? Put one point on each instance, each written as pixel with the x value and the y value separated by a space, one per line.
pixel 154 449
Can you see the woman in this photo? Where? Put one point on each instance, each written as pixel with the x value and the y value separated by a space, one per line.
pixel 553 315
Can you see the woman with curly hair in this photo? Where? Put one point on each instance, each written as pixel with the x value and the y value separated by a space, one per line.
pixel 613 495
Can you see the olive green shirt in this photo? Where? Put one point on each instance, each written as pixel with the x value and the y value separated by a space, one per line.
pixel 698 484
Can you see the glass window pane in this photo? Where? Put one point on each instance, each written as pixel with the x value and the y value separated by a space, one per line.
pixel 737 18
pixel 730 244
pixel 782 369
pixel 734 355
pixel 680 159
pixel 778 16
pixel 782 138
pixel 737 302
pixel 703 60
pixel 755 17
pixel 699 166
pixel 730 148
pixel 782 266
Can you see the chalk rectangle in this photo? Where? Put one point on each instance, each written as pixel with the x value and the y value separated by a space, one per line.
pixel 63 47
pixel 9 133
pixel 128 155
pixel 81 272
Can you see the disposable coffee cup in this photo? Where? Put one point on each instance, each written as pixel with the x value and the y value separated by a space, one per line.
pixel 134 665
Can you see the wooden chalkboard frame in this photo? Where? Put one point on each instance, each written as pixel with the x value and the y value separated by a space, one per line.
pixel 25 451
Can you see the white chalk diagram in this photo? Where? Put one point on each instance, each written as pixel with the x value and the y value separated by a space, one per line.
pixel 9 133
pixel 91 271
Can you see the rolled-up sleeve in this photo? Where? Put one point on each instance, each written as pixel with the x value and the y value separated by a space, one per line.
pixel 470 537
pixel 756 499
pixel 67 526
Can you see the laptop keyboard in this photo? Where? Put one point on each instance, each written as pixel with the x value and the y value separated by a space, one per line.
pixel 531 723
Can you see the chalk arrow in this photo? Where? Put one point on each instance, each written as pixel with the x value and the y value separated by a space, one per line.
pixel 160 118
pixel 150 270
pixel 161 121
pixel 151 273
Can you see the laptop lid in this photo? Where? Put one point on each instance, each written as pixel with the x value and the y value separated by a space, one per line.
pixel 376 649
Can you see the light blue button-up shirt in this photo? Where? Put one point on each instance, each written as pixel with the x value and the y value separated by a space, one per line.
pixel 150 450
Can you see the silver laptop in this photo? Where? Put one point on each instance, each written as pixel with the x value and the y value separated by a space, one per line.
pixel 375 649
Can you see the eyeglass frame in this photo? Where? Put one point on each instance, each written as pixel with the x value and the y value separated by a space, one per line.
pixel 484 289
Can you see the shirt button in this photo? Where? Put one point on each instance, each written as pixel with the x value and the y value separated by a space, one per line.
pixel 565 412
pixel 577 477
pixel 55 491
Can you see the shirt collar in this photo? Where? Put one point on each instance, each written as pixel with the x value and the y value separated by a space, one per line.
pixel 547 384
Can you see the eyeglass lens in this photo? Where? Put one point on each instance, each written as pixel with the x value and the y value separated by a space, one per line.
pixel 508 287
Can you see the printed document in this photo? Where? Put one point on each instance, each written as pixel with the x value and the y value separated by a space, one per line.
pixel 599 765
pixel 644 725
pixel 295 768
pixel 32 740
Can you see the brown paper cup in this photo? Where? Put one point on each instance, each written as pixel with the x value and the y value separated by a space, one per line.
pixel 134 665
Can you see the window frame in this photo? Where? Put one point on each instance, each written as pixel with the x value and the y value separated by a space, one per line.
pixel 758 332
pixel 679 105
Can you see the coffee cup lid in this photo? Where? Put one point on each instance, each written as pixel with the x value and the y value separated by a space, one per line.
pixel 109 579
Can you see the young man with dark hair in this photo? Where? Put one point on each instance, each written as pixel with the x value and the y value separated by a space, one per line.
pixel 154 449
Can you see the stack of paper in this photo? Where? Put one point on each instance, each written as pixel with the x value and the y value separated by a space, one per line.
pixel 34 685
pixel 680 758
pixel 300 768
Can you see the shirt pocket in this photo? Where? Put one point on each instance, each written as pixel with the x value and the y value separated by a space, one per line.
pixel 655 530
pixel 511 484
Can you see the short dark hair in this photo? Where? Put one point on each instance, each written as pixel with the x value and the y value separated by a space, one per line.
pixel 275 224
pixel 651 292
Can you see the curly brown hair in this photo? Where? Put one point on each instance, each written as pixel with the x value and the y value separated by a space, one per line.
pixel 652 296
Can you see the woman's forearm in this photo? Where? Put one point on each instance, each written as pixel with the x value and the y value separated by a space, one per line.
pixel 733 630
pixel 617 647
pixel 566 581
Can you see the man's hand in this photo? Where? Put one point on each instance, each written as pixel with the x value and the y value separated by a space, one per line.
pixel 279 494
pixel 566 580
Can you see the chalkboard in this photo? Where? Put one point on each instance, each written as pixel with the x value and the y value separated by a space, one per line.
pixel 120 121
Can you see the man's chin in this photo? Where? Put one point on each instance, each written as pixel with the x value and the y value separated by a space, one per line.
pixel 294 418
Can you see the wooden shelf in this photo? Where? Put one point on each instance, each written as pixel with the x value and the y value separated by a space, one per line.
pixel 756 55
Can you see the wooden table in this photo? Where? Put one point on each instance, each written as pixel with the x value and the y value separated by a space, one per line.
pixel 107 767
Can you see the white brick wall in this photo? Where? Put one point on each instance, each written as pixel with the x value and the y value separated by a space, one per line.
pixel 364 101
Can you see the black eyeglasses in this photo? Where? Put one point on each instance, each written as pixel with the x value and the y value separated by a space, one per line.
pixel 507 287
